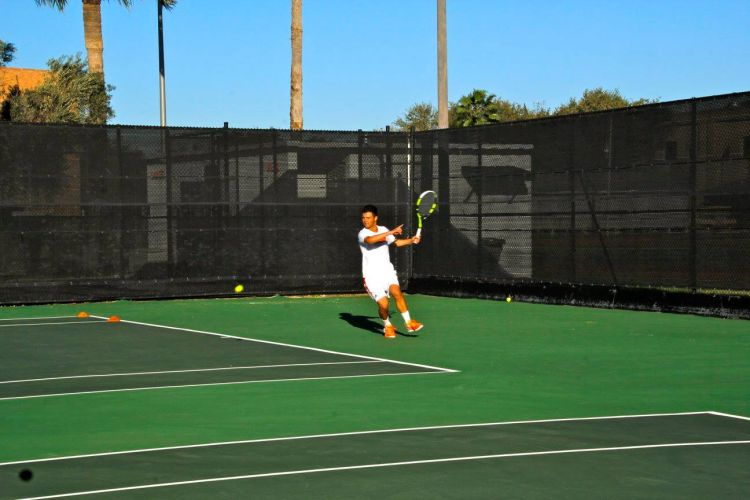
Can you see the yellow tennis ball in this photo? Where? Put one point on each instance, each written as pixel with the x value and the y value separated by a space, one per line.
pixel 508 299
pixel 239 288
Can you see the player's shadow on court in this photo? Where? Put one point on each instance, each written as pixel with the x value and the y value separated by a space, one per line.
pixel 368 323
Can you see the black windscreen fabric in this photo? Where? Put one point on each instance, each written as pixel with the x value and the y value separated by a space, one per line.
pixel 127 212
pixel 652 196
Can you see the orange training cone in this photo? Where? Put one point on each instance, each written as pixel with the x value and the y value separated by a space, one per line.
pixel 113 319
pixel 83 314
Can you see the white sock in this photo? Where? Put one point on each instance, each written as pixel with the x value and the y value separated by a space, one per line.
pixel 406 316
pixel 387 322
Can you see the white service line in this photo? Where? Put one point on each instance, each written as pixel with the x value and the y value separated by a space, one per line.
pixel 393 464
pixel 448 370
pixel 56 323
pixel 359 433
pixel 40 317
pixel 217 383
pixel 185 371
pixel 728 415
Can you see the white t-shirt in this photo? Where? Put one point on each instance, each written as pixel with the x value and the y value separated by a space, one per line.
pixel 375 257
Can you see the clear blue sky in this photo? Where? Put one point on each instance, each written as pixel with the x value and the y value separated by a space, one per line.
pixel 366 61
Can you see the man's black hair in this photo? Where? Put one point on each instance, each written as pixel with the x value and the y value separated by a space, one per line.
pixel 370 208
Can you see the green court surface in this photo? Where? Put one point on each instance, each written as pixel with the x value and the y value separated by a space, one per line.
pixel 303 397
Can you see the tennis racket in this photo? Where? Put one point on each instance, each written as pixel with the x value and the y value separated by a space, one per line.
pixel 426 206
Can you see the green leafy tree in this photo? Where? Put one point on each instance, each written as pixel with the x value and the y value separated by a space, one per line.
pixel 598 99
pixel 475 108
pixel 6 52
pixel 507 111
pixel 70 94
pixel 480 107
pixel 422 116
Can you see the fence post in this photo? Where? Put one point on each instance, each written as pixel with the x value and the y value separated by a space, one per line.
pixel 123 238
pixel 410 144
pixel 226 183
pixel 276 209
pixel 388 153
pixel 480 191
pixel 360 146
pixel 693 203
pixel 262 208
pixel 444 217
pixel 572 186
pixel 170 237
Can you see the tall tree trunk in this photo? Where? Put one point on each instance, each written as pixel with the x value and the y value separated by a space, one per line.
pixel 295 108
pixel 442 50
pixel 92 32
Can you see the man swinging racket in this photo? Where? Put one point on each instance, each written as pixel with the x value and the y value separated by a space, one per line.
pixel 379 276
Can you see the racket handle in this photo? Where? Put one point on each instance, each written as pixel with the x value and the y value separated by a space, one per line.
pixel 419 233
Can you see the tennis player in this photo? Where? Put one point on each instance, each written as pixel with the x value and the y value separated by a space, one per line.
pixel 379 276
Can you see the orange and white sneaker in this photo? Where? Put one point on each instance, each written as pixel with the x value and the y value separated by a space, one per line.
pixel 414 326
pixel 389 332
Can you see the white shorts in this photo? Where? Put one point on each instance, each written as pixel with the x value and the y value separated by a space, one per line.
pixel 378 285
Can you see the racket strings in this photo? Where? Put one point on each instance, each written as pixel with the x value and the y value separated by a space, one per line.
pixel 426 204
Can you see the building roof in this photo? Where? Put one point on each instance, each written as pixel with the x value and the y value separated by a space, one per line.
pixel 24 78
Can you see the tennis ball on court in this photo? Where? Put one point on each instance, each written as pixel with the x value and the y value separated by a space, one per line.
pixel 508 299
pixel 239 289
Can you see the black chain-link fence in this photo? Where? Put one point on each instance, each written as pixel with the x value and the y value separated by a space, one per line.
pixel 653 196
pixel 107 212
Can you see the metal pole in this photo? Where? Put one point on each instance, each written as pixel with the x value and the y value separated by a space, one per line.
pixel 693 200
pixel 162 89
pixel 442 50
pixel 360 146
pixel 480 193
pixel 123 231
pixel 388 153
pixel 170 215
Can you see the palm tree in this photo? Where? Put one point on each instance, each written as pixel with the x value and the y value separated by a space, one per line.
pixel 295 107
pixel 92 27
pixel 476 108
pixel 6 52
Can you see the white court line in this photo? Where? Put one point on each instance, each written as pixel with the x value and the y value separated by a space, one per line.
pixel 448 370
pixel 185 371
pixel 359 433
pixel 394 464
pixel 40 317
pixel 217 383
pixel 60 323
pixel 728 415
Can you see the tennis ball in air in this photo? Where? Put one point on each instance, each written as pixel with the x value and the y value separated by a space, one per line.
pixel 508 299
pixel 239 289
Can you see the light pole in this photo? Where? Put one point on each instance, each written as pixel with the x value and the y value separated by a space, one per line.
pixel 442 52
pixel 162 89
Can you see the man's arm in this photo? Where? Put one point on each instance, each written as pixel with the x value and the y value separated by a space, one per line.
pixel 382 236
pixel 407 241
